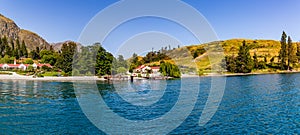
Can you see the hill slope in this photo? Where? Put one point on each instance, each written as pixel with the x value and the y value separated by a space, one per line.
pixel 10 29
pixel 209 55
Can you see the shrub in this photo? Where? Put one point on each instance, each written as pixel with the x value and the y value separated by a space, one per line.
pixel 28 61
pixel 40 75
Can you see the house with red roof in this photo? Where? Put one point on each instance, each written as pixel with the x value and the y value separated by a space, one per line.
pixel 146 70
pixel 22 66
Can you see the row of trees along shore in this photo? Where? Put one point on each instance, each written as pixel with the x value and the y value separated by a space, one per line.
pixel 288 57
pixel 86 60
pixel 83 60
pixel 95 60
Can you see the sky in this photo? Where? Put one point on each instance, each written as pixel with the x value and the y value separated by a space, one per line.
pixel 61 20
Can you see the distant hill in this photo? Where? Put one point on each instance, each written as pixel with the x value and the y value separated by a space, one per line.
pixel 10 29
pixel 57 46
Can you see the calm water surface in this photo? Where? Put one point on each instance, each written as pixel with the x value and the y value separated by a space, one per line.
pixel 260 104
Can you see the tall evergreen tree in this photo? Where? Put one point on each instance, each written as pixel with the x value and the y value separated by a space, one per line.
pixel 24 49
pixel 283 51
pixel 103 62
pixel 6 47
pixel 37 50
pixel 255 61
pixel 291 52
pixel 1 47
pixel 244 61
pixel 298 52
pixel 18 50
pixel 65 59
pixel 13 48
pixel 231 64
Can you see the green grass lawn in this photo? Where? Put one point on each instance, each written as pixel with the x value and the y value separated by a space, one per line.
pixel 51 74
pixel 5 73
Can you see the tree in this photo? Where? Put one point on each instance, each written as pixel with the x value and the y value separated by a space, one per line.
pixel 34 55
pixel 244 61
pixel 19 53
pixel 169 70
pixel 298 52
pixel 28 61
pixel 231 64
pixel 65 60
pixel 103 62
pixel 5 48
pixel 255 61
pixel 121 70
pixel 291 53
pixel 283 51
pixel 13 47
pixel 134 62
pixel 24 50
pixel 121 61
pixel 30 68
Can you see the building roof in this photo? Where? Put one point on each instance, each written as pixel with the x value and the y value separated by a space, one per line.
pixel 143 66
pixel 27 65
pixel 140 67
pixel 154 67
pixel 40 65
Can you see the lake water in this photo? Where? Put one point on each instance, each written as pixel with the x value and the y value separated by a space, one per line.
pixel 258 104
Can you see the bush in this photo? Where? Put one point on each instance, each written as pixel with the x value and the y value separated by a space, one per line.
pixel 40 75
pixel 28 61
pixel 46 68
pixel 75 72
pixel 30 68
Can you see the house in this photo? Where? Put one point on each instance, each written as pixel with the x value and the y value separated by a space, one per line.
pixel 139 69
pixel 22 66
pixel 146 71
pixel 41 65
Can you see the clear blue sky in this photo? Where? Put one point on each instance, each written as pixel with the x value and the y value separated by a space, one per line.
pixel 60 20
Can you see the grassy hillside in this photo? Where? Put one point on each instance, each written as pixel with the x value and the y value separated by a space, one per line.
pixel 193 57
pixel 263 48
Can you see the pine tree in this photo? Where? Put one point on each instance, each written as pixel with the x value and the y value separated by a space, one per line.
pixel 24 50
pixel 283 51
pixel 13 48
pixel 291 53
pixel 103 62
pixel 255 60
pixel 6 48
pixel 231 64
pixel 298 52
pixel 18 50
pixel 65 60
pixel 37 50
pixel 1 47
pixel 244 61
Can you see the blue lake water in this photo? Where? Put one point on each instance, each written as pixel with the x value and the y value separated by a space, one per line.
pixel 258 104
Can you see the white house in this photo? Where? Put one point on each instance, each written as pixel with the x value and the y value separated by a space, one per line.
pixel 22 66
pixel 146 70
